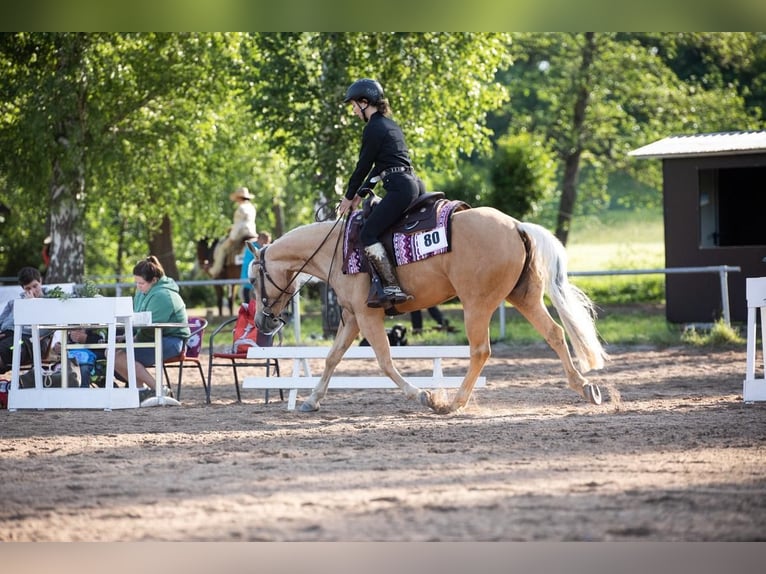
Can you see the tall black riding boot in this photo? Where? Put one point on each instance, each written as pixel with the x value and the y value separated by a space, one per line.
pixel 378 257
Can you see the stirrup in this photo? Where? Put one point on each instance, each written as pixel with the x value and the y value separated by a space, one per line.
pixel 375 298
pixel 394 294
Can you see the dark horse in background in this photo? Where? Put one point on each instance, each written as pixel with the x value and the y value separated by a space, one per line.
pixel 231 270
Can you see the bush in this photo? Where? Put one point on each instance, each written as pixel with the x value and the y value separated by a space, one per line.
pixel 719 335
pixel 522 174
pixel 196 296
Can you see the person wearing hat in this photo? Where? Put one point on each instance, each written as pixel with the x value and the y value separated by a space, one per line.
pixel 383 157
pixel 243 228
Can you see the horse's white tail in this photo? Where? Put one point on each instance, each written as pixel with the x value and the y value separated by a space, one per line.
pixel 575 309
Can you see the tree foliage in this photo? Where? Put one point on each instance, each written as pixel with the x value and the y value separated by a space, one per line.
pixel 120 144
pixel 522 175
pixel 127 141
pixel 441 87
pixel 596 96
pixel 118 132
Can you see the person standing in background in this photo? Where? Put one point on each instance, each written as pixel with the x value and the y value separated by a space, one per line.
pixel 416 317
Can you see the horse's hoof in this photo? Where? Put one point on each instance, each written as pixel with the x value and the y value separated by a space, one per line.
pixel 307 407
pixel 435 402
pixel 592 393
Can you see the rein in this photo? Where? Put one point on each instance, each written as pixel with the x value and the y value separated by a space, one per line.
pixel 264 275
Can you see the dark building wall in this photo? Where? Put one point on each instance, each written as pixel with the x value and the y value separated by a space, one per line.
pixel 696 297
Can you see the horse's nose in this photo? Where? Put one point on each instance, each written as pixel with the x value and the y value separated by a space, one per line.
pixel 268 324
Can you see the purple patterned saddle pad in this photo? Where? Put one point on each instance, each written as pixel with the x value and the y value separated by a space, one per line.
pixel 423 232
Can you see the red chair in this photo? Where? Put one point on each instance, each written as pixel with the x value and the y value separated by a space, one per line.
pixel 234 359
pixel 190 356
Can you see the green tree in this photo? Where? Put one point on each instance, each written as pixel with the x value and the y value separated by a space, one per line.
pixel 441 87
pixel 522 174
pixel 134 131
pixel 596 96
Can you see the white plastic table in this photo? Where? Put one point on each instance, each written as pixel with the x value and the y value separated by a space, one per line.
pixel 42 313
pixel 159 398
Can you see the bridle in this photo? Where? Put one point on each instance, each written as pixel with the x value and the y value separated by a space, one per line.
pixel 266 304
pixel 275 323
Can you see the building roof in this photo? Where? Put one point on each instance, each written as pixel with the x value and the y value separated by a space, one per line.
pixel 722 143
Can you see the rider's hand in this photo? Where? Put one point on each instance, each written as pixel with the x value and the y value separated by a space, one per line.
pixel 348 205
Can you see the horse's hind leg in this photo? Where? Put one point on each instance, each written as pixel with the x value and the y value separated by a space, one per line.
pixel 553 333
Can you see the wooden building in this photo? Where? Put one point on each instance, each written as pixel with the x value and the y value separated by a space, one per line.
pixel 714 198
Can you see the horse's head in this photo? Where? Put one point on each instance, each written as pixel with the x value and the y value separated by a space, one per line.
pixel 273 287
pixel 205 252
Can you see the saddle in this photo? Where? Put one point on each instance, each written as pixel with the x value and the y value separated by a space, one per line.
pixel 234 255
pixel 419 215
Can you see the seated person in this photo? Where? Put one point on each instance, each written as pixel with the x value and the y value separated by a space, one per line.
pixel 158 294
pixel 31 281
pixel 86 358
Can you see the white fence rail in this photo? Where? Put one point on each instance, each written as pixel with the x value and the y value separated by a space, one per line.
pixel 722 271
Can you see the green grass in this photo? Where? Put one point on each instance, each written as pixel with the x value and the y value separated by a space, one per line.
pixel 720 335
pixel 617 240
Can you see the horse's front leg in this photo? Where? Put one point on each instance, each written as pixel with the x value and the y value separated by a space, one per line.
pixel 345 336
pixel 374 329
pixel 387 366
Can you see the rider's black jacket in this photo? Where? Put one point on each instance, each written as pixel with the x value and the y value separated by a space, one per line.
pixel 383 147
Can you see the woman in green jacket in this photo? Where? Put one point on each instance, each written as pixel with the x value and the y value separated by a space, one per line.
pixel 158 294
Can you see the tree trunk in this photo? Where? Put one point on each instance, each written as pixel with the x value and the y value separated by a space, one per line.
pixel 575 148
pixel 329 180
pixel 568 195
pixel 68 241
pixel 67 186
pixel 279 220
pixel 161 246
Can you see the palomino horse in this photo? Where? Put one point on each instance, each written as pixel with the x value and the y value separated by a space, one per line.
pixel 231 270
pixel 493 258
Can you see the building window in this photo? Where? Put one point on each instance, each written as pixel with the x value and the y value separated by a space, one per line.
pixel 732 204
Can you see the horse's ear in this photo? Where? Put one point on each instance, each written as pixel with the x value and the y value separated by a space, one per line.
pixel 253 249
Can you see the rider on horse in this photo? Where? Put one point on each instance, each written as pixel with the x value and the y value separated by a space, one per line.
pixel 383 157
pixel 243 228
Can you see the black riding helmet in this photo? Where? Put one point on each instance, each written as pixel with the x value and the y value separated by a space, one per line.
pixel 364 89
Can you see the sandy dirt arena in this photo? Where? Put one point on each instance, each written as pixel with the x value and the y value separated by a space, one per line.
pixel 673 454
